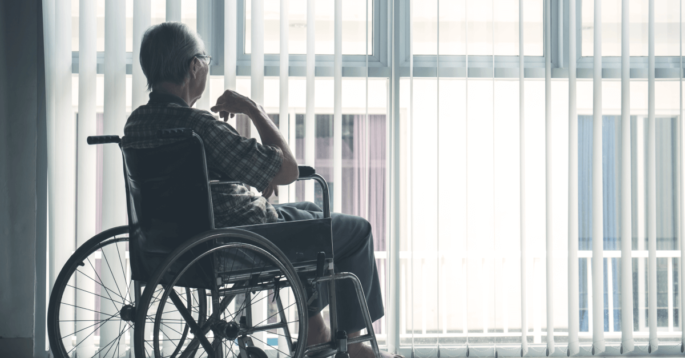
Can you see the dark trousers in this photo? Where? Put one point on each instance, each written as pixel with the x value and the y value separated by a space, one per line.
pixel 353 249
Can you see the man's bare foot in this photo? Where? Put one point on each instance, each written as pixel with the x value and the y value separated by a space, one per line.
pixel 361 350
pixel 318 332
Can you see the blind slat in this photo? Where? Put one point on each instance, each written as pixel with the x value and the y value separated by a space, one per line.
pixel 50 77
pixel 337 109
pixel 63 135
pixel 292 138
pixel 411 169
pixel 173 10
pixel 113 194
pixel 86 175
pixel 522 190
pixel 310 116
pixel 560 34
pixel 681 171
pixel 627 344
pixel 367 142
pixel 548 178
pixel 651 190
pixel 87 124
pixel 465 264
pixel 573 304
pixel 142 13
pixel 283 120
pixel 396 318
pixel 597 190
pixel 257 56
pixel 641 211
pixel 204 29
pixel 230 47
pixel 259 307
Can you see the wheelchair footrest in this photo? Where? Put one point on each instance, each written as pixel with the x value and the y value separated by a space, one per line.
pixel 364 338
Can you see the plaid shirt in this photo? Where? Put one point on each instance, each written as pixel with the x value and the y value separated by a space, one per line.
pixel 229 157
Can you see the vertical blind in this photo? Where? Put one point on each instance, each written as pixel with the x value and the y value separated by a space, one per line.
pixel 525 190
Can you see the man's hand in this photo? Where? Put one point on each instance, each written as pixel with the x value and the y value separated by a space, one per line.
pixel 231 102
pixel 270 189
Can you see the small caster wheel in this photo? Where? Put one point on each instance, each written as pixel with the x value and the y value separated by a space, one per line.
pixel 254 352
pixel 342 355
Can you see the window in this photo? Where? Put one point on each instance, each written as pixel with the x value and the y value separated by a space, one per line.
pixel 449 159
pixel 354 29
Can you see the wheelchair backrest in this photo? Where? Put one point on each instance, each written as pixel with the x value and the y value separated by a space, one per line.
pixel 168 199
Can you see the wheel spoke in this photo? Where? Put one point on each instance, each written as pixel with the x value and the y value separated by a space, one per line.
pixel 86 337
pixel 123 269
pixel 112 272
pixel 75 278
pixel 267 318
pixel 118 345
pixel 261 264
pixel 99 283
pixel 110 344
pixel 87 309
pixel 242 307
pixel 199 334
pixel 95 294
pixel 232 349
pixel 167 326
pixel 83 329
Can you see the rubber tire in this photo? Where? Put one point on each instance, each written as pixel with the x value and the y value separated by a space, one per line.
pixel 254 352
pixel 85 250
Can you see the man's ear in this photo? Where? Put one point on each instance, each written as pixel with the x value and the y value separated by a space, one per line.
pixel 194 67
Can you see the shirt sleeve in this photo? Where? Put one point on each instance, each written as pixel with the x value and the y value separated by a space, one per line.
pixel 242 159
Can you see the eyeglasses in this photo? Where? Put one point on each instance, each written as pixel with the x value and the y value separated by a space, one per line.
pixel 207 59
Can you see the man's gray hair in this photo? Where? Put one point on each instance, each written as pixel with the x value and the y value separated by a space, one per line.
pixel 166 53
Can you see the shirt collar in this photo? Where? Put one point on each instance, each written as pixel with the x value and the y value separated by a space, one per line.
pixel 164 98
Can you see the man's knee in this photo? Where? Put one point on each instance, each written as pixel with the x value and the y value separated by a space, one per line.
pixel 365 227
pixel 357 228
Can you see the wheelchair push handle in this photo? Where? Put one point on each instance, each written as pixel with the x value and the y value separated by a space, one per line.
pixel 305 171
pixel 103 139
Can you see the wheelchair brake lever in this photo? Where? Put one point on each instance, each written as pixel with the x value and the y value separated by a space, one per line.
pixel 277 288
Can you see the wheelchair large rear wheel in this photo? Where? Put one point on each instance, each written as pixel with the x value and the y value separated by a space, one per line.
pixel 93 301
pixel 256 302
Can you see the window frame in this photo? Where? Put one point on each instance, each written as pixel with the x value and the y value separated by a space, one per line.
pixel 376 58
pixel 454 66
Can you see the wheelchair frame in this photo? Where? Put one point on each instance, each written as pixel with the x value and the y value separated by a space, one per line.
pixel 339 340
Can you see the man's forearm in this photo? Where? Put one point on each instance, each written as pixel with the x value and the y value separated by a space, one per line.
pixel 268 132
pixel 271 135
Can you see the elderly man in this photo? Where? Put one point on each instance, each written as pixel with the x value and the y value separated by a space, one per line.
pixel 176 66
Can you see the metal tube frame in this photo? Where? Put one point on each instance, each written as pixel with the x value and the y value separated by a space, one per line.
pixel 370 336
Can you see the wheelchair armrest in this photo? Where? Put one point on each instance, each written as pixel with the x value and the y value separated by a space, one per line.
pixel 103 139
pixel 307 173
pixel 216 182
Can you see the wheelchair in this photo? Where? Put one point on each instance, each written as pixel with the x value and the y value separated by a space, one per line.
pixel 170 284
